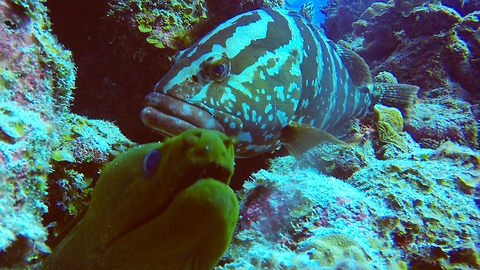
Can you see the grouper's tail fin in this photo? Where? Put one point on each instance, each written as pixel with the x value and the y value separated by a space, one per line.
pixel 397 95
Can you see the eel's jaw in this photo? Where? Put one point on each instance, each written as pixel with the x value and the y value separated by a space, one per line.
pixel 214 170
pixel 170 116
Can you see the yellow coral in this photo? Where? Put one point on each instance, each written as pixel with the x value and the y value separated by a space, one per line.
pixel 335 249
pixel 389 125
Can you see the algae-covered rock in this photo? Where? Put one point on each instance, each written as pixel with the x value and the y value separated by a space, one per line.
pixel 340 16
pixel 292 217
pixel 37 78
pixel 334 250
pixel 36 82
pixel 441 118
pixel 166 24
pixel 394 39
pixel 432 208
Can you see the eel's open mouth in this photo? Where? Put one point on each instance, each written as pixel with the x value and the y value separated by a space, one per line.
pixel 170 116
pixel 213 170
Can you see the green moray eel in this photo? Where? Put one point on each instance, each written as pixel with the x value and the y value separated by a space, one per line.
pixel 158 206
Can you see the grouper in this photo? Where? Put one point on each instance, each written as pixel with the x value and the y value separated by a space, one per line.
pixel 262 74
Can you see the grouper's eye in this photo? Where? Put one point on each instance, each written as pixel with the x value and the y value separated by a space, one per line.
pixel 151 161
pixel 217 69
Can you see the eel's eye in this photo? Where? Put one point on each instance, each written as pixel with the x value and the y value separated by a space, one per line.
pixel 218 69
pixel 151 161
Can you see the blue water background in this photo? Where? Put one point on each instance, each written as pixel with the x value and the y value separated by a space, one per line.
pixel 318 17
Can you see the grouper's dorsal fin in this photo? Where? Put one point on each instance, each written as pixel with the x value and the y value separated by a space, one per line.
pixel 358 69
pixel 299 138
pixel 307 10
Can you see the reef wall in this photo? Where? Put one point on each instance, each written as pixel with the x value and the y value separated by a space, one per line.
pixel 432 44
pixel 42 144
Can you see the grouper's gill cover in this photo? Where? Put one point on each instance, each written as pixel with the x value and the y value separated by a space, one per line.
pixel 254 74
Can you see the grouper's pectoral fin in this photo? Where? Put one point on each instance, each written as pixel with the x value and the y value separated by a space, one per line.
pixel 193 233
pixel 299 138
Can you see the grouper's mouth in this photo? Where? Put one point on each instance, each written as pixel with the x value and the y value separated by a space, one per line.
pixel 170 116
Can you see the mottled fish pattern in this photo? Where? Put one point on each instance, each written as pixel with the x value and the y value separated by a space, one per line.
pixel 254 74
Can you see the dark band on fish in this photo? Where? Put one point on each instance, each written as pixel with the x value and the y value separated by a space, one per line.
pixel 280 69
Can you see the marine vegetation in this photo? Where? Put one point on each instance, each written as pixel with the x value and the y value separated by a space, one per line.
pixel 160 205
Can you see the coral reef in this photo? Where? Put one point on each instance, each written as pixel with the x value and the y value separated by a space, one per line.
pixel 431 44
pixel 85 146
pixel 415 210
pixel 168 24
pixel 443 117
pixel 394 36
pixel 340 14
pixel 308 216
pixel 439 34
pixel 37 77
pixel 407 195
pixel 432 208
pixel 176 24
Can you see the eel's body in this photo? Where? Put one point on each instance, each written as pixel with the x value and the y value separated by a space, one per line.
pixel 158 206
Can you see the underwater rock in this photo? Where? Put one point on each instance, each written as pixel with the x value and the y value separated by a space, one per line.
pixel 434 47
pixel 463 7
pixel 443 117
pixel 36 81
pixel 340 14
pixel 414 211
pixel 432 208
pixel 86 145
pixel 37 78
pixel 165 24
pixel 179 23
pixel 389 32
pixel 435 33
pixel 287 212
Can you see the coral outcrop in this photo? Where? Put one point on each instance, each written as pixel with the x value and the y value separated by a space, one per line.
pixel 36 79
pixel 340 14
pixel 431 44
pixel 427 43
pixel 167 24
pixel 433 211
pixel 414 210
pixel 37 76
pixel 294 218
pixel 443 117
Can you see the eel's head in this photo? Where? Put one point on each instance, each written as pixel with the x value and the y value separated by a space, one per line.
pixel 140 184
